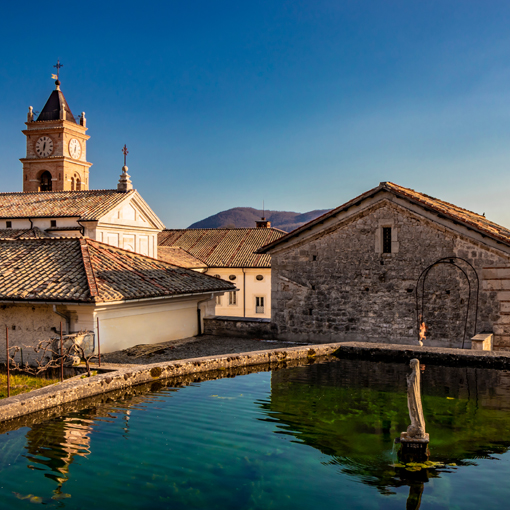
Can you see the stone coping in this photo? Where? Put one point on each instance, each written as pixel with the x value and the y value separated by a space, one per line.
pixel 434 355
pixel 78 388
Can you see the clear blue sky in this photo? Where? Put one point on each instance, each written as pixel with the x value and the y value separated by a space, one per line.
pixel 301 104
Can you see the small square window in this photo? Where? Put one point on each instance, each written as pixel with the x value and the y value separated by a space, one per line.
pixel 53 223
pixel 386 234
pixel 8 224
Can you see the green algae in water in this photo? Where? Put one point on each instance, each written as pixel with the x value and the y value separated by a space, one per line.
pixel 297 438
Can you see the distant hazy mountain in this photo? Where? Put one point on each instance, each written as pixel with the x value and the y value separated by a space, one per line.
pixel 242 217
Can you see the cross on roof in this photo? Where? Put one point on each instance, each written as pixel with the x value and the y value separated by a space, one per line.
pixel 125 152
pixel 58 65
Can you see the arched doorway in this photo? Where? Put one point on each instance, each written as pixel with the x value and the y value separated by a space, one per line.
pixel 45 183
pixel 447 300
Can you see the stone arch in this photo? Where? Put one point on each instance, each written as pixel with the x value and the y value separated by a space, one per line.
pixel 448 301
pixel 45 182
pixel 75 182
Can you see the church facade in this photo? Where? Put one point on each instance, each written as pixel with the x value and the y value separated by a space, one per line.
pixel 56 196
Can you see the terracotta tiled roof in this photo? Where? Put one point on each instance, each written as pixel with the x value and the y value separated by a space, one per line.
pixel 83 270
pixel 179 257
pixel 19 233
pixel 223 247
pixel 457 214
pixel 86 205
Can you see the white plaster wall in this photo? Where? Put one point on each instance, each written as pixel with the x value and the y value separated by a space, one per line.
pixel 125 325
pixel 253 289
pixel 138 240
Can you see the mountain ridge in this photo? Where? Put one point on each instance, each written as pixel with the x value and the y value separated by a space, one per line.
pixel 245 217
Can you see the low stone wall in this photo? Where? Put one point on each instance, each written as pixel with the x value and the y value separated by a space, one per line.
pixel 239 327
pixel 77 388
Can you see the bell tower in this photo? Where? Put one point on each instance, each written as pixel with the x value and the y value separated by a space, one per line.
pixel 56 158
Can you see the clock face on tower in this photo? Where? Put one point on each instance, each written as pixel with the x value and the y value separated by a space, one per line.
pixel 44 146
pixel 74 148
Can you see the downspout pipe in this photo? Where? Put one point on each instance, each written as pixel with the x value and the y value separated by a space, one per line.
pixel 82 228
pixel 244 293
pixel 66 317
pixel 199 313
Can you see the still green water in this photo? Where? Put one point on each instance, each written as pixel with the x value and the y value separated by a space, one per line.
pixel 318 436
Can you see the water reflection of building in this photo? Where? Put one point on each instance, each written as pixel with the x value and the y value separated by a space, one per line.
pixel 56 444
pixel 352 410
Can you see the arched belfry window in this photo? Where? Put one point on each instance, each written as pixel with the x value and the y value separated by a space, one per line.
pixel 45 181
pixel 75 183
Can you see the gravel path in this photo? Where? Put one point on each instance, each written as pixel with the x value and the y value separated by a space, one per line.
pixel 193 347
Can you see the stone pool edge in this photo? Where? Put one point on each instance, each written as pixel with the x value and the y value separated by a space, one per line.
pixel 77 388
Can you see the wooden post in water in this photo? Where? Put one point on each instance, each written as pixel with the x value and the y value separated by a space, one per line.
pixel 98 344
pixel 61 355
pixel 8 361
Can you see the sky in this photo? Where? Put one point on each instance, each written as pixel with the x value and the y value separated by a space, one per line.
pixel 300 104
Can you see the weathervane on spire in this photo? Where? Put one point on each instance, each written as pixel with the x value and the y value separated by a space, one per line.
pixel 125 152
pixel 58 65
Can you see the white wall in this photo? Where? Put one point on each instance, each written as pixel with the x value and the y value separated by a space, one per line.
pixel 249 288
pixel 125 325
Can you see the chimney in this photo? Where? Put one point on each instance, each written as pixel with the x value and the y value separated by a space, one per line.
pixel 263 223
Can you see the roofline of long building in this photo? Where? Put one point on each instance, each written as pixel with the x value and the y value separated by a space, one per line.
pixel 372 192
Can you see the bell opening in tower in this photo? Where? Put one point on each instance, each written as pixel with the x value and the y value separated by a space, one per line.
pixel 45 183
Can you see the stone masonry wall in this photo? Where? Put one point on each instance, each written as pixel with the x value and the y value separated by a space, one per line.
pixel 340 287
pixel 239 327
pixel 28 325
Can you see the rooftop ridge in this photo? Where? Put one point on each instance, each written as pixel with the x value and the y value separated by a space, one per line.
pixel 449 204
pixel 90 191
pixel 452 212
pixel 222 228
pixel 89 269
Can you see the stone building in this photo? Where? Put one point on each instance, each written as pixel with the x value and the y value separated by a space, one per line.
pixel 76 282
pixel 228 254
pixel 378 266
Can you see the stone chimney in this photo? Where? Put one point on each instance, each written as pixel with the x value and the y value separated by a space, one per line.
pixel 125 183
pixel 263 223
